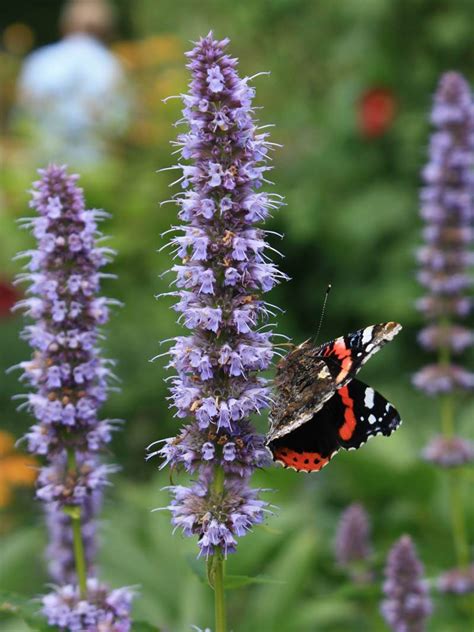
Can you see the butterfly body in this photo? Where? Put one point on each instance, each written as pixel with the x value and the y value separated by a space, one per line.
pixel 320 407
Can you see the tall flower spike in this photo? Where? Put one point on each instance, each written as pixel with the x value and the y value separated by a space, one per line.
pixel 222 273
pixel 67 373
pixel 447 208
pixel 407 605
pixel 353 536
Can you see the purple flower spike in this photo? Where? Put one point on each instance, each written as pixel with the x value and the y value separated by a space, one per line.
pixel 407 605
pixel 222 272
pixel 353 536
pixel 449 451
pixel 447 208
pixel 69 381
pixel 66 371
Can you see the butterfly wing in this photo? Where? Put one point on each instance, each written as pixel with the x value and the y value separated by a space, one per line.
pixel 354 414
pixel 308 376
pixel 303 384
pixel 345 355
pixel 362 413
pixel 311 445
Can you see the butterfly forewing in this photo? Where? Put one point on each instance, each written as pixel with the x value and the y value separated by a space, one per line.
pixel 346 354
pixel 319 407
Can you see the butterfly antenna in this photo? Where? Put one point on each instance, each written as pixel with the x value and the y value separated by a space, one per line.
pixel 323 310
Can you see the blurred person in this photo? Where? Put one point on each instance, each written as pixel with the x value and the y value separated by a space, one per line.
pixel 73 93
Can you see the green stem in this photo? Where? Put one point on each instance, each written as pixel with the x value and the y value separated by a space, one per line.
pixel 216 563
pixel 447 416
pixel 219 595
pixel 458 520
pixel 74 512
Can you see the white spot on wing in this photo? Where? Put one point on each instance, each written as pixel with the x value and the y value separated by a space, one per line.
pixel 372 419
pixel 369 397
pixel 367 335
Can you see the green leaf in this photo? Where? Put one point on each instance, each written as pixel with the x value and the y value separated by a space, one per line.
pixel 24 608
pixel 197 567
pixel 236 581
pixel 143 626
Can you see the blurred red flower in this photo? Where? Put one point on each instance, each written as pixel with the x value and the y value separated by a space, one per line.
pixel 376 110
pixel 9 295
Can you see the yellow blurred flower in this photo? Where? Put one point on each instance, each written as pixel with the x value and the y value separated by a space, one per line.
pixel 151 51
pixel 15 469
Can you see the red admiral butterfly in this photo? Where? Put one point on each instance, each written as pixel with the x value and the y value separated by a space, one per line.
pixel 320 407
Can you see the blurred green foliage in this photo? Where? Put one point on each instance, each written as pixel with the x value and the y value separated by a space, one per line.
pixel 351 219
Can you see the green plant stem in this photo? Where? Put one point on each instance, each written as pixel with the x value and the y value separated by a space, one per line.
pixel 458 520
pixel 74 512
pixel 447 416
pixel 216 565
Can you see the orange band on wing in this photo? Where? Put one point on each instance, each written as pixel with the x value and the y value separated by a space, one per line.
pixel 347 429
pixel 301 461
pixel 340 350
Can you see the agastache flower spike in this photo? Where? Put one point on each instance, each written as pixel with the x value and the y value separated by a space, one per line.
pixel 407 604
pixel 445 260
pixel 223 272
pixel 69 381
pixel 447 208
pixel 353 536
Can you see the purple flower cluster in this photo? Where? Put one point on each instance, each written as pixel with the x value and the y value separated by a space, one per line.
pixel 458 581
pixel 353 536
pixel 104 610
pixel 222 272
pixel 407 605
pixel 447 208
pixel 449 451
pixel 67 373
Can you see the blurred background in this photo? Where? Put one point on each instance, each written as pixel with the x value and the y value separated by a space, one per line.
pixel 349 94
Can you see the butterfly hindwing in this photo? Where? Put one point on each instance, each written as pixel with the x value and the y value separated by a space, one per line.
pixel 363 413
pixel 354 414
pixel 311 445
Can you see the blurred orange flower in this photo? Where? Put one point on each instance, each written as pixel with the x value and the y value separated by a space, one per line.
pixel 15 469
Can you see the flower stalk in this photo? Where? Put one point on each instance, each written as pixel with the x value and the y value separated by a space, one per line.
pixel 447 207
pixel 70 382
pixel 216 563
pixel 222 272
